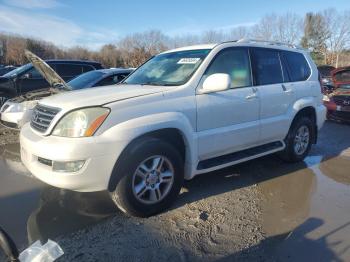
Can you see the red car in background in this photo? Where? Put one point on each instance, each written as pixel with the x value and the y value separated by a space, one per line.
pixel 338 102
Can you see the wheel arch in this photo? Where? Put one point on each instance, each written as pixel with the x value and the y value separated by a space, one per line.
pixel 177 133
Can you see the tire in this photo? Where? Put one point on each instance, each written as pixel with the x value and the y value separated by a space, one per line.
pixel 291 153
pixel 134 194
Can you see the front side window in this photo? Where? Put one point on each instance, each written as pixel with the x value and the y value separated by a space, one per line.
pixel 34 74
pixel 299 69
pixel 267 66
pixel 235 63
pixel 68 70
pixel 85 80
pixel 172 69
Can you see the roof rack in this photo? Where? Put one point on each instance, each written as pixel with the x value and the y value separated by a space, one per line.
pixel 247 40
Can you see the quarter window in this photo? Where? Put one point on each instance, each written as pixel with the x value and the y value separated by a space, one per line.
pixel 267 66
pixel 299 69
pixel 234 62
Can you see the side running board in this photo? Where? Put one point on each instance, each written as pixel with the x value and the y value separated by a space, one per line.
pixel 236 156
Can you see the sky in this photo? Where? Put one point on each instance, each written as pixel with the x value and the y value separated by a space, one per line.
pixel 93 23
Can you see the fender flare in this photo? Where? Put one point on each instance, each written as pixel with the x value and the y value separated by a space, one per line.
pixel 135 128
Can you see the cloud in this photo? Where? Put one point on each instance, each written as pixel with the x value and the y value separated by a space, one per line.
pixel 33 4
pixel 59 31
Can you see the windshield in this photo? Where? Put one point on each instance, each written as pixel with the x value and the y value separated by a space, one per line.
pixel 18 70
pixel 85 80
pixel 172 69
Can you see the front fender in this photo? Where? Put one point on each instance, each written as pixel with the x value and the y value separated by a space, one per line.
pixel 130 130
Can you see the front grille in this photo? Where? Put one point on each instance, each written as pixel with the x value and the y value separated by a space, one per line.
pixel 342 100
pixel 42 117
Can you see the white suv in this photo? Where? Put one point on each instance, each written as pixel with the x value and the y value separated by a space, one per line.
pixel 184 112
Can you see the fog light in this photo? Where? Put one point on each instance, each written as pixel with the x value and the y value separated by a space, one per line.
pixel 71 166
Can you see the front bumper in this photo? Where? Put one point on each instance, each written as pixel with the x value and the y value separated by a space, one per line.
pixel 100 155
pixel 321 113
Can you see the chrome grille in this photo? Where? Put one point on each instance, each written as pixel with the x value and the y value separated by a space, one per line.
pixel 42 117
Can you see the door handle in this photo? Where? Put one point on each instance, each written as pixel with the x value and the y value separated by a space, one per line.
pixel 252 96
pixel 288 91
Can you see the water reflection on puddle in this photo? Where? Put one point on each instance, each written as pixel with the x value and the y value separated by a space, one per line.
pixel 31 210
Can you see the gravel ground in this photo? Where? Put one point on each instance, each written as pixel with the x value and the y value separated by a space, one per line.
pixel 199 227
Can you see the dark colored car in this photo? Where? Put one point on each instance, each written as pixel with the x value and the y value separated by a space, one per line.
pixel 26 78
pixel 6 69
pixel 338 102
pixel 326 78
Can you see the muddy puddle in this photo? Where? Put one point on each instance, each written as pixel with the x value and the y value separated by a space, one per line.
pixel 31 210
pixel 304 209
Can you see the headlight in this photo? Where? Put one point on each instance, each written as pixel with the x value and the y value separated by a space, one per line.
pixel 326 98
pixel 20 107
pixel 81 123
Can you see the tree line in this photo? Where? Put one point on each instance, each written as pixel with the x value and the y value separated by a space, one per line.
pixel 326 34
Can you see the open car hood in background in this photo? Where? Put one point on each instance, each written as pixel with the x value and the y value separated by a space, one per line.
pixel 45 70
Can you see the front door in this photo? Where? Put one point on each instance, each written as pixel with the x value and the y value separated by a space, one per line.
pixel 228 121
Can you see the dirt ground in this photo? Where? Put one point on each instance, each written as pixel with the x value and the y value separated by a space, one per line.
pixel 263 210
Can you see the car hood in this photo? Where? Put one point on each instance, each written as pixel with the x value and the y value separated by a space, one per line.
pixel 100 96
pixel 36 95
pixel 45 70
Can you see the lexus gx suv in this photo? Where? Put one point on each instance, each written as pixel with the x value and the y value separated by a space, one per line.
pixel 184 112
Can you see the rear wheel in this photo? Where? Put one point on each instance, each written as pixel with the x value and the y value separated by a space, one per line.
pixel 151 177
pixel 299 140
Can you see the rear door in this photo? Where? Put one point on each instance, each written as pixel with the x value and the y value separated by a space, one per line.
pixel 276 93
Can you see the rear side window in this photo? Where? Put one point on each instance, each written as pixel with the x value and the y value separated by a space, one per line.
pixel 299 69
pixel 234 62
pixel 87 68
pixel 267 66
pixel 68 70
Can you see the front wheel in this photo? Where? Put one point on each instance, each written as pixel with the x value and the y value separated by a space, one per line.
pixel 299 140
pixel 152 176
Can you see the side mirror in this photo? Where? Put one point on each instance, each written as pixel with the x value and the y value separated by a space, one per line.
pixel 216 83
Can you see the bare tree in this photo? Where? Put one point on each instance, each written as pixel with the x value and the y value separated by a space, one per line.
pixel 338 28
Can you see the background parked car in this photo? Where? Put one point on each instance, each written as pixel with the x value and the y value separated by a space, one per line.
pixel 26 78
pixel 17 111
pixel 341 77
pixel 326 77
pixel 338 102
pixel 6 69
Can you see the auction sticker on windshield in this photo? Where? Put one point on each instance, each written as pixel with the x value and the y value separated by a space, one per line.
pixel 192 60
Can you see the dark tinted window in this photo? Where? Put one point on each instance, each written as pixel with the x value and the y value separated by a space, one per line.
pixel 67 70
pixel 234 62
pixel 87 68
pixel 85 80
pixel 34 74
pixel 267 66
pixel 299 69
pixel 111 80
